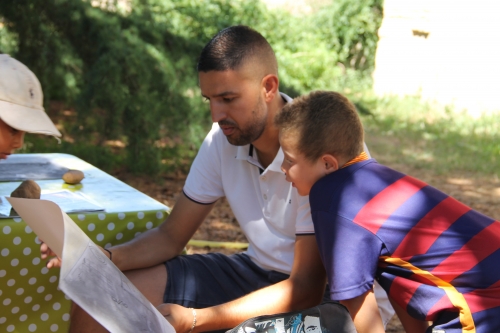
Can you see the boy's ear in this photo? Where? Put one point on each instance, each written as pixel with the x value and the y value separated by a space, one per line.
pixel 330 163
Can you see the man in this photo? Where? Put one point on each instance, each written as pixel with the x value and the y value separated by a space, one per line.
pixel 239 159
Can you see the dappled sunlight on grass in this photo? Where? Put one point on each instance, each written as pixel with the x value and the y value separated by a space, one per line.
pixel 433 137
pixel 424 156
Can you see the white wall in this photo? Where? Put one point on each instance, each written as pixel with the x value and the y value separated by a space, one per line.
pixel 444 50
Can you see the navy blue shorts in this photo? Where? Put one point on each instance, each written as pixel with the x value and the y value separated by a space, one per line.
pixel 203 280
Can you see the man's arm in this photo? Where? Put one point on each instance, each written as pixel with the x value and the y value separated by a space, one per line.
pixel 164 242
pixel 303 289
pixel 158 244
pixel 364 313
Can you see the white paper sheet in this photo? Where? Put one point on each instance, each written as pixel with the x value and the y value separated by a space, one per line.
pixel 87 276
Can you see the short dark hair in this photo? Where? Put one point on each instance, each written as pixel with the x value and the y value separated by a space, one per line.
pixel 323 122
pixel 231 47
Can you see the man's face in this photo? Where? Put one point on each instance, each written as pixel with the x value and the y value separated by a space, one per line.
pixel 10 139
pixel 301 172
pixel 236 102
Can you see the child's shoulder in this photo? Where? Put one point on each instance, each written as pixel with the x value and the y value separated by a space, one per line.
pixel 343 182
pixel 351 184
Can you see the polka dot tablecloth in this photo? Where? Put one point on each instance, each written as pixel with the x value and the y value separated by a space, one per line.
pixel 30 300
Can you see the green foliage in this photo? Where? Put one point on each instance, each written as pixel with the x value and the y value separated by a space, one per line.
pixel 350 28
pixel 100 156
pixel 8 40
pixel 129 76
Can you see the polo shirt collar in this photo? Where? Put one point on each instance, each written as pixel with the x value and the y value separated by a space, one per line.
pixel 247 153
pixel 243 152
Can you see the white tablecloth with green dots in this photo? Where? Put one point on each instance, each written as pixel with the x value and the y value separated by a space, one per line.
pixel 30 300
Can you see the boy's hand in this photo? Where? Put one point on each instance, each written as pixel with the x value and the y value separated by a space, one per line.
pixel 47 253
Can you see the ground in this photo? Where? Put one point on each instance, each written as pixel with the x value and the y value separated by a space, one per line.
pixel 481 192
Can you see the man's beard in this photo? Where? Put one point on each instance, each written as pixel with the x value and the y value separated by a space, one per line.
pixel 252 132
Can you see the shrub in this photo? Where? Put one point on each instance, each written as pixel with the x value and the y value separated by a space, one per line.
pixel 129 76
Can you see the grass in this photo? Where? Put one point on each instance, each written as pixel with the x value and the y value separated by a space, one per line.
pixel 432 137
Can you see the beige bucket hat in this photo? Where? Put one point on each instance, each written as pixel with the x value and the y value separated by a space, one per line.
pixel 21 99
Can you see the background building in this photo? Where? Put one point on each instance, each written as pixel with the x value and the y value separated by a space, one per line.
pixel 442 50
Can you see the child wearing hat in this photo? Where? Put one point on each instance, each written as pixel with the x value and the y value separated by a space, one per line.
pixel 437 259
pixel 21 106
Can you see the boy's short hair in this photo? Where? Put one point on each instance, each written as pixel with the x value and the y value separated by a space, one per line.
pixel 233 46
pixel 323 122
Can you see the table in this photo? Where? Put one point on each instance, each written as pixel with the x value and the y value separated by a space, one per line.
pixel 29 297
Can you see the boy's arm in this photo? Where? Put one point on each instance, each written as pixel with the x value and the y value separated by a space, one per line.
pixel 364 313
pixel 410 324
pixel 303 289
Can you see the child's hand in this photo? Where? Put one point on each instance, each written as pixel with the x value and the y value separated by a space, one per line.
pixel 47 253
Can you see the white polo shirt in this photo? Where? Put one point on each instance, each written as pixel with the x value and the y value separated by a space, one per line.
pixel 268 209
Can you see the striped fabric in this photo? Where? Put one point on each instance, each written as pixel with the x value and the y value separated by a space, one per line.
pixel 436 257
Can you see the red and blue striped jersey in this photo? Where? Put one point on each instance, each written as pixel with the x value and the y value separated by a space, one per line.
pixel 436 257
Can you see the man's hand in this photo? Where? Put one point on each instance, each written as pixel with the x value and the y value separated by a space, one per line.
pixel 47 253
pixel 179 317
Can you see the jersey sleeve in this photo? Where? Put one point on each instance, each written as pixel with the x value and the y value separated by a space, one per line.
pixel 350 254
pixel 204 183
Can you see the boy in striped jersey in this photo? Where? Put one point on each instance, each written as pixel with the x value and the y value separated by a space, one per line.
pixel 436 258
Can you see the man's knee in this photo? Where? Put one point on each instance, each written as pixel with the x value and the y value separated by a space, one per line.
pixel 82 322
pixel 150 281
